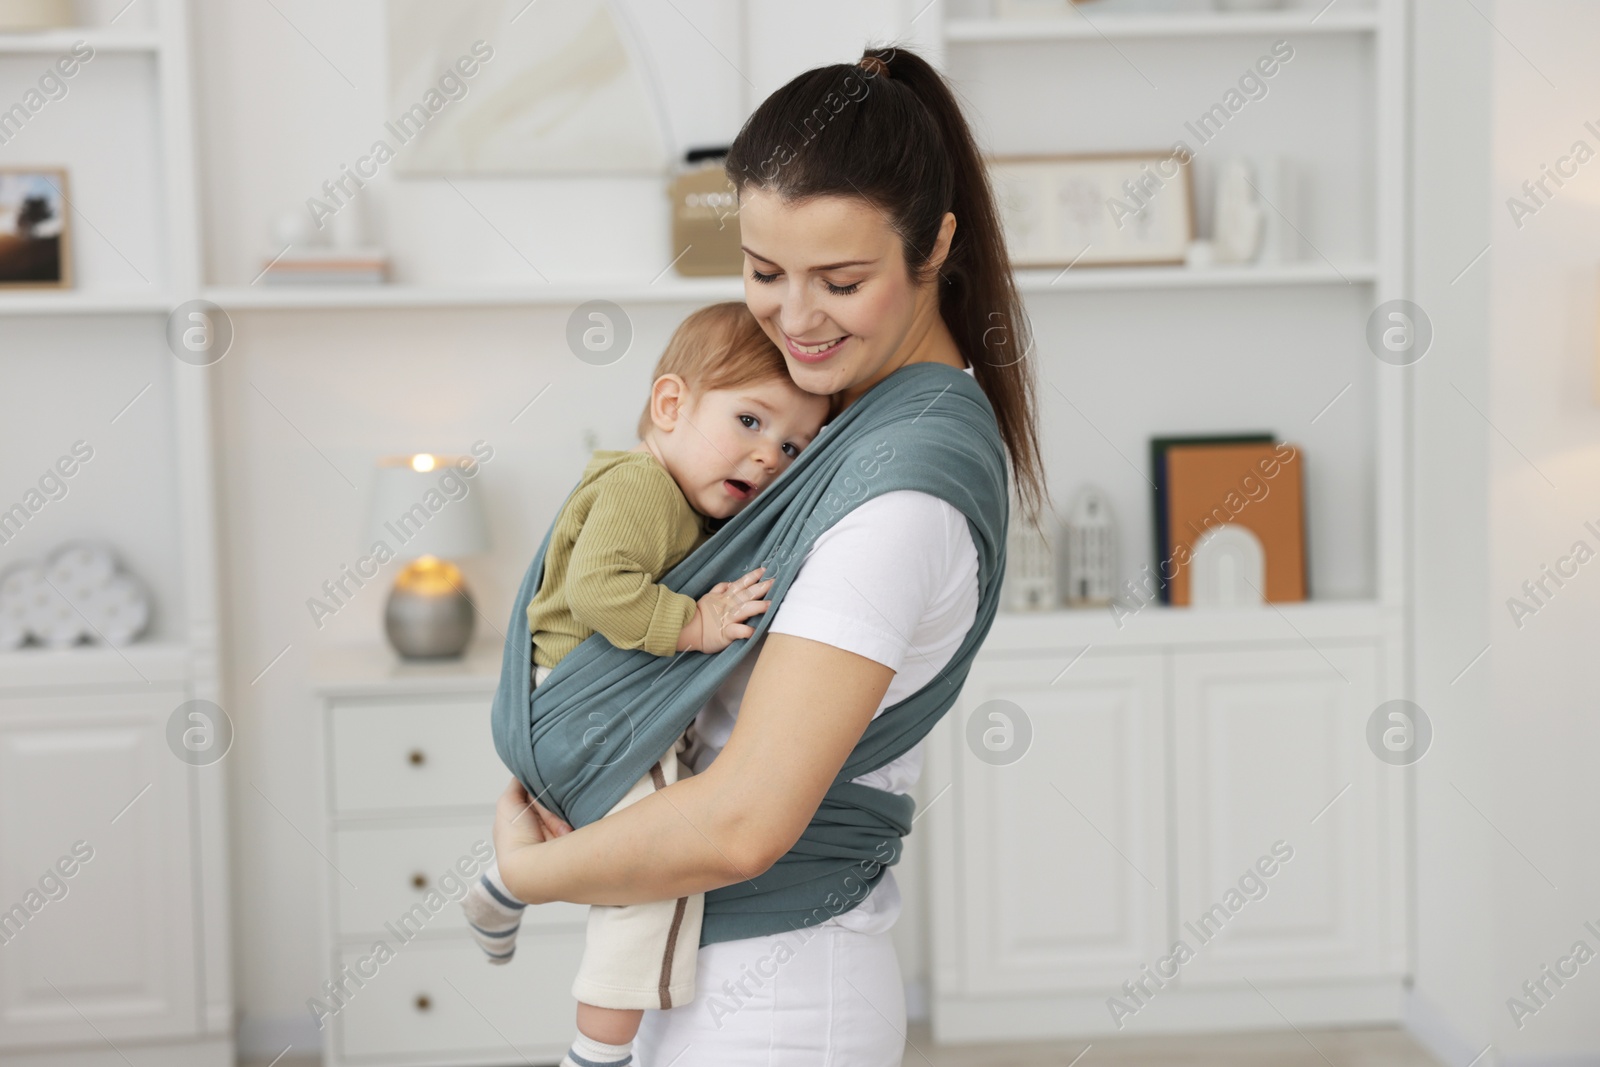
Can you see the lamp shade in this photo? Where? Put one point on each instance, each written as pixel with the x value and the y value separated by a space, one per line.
pixel 427 505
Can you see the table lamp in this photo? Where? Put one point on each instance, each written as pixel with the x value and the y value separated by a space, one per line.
pixel 426 510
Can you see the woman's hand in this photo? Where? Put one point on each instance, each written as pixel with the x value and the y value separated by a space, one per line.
pixel 520 822
pixel 804 710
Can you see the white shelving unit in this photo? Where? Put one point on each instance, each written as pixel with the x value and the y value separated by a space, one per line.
pixel 1360 49
pixel 666 290
pixel 81 303
pixel 84 732
pixel 670 290
pixel 1097 26
pixel 1189 740
pixel 54 42
pixel 1128 278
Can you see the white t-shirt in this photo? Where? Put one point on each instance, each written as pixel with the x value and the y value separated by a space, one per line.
pixel 895 580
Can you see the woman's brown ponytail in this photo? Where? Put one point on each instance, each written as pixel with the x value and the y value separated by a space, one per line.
pixel 888 128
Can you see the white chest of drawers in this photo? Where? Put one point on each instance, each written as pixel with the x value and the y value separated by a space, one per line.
pixel 412 777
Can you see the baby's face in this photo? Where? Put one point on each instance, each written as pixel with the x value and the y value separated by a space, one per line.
pixel 729 444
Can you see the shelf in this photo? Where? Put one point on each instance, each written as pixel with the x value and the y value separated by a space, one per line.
pixel 707 290
pixel 1069 631
pixel 60 42
pixel 665 291
pixel 1022 31
pixel 373 669
pixel 136 666
pixel 81 303
pixel 1311 272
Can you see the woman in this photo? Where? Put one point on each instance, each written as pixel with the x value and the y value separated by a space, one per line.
pixel 871 245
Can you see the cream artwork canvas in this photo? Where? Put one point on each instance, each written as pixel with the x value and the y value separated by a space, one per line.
pixel 555 88
pixel 1089 211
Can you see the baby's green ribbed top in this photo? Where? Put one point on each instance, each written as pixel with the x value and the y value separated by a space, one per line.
pixel 624 526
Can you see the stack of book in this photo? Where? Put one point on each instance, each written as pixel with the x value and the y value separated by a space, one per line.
pixel 328 266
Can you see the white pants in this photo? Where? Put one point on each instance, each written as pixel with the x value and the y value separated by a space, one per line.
pixel 640 955
pixel 828 996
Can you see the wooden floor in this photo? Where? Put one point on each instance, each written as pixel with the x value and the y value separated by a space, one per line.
pixel 1315 1048
pixel 1341 1048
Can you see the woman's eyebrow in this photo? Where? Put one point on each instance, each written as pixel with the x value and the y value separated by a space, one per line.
pixel 827 266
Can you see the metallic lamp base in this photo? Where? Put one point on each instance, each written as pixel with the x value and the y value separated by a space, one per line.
pixel 429 615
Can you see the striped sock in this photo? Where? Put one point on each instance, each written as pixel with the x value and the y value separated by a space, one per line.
pixel 587 1052
pixel 493 915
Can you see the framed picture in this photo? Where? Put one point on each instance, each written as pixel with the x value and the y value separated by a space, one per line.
pixel 571 91
pixel 35 250
pixel 1100 210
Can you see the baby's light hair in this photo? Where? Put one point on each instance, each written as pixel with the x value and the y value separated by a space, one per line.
pixel 718 347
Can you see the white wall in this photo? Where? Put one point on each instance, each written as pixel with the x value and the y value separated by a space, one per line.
pixel 1507 800
pixel 1452 1007
pixel 1544 483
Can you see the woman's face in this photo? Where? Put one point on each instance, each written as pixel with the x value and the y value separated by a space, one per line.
pixel 827 280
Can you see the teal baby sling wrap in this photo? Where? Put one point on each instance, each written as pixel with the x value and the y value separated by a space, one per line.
pixel 605 715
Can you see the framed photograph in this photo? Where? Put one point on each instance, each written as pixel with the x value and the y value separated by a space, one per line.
pixel 35 249
pixel 1100 210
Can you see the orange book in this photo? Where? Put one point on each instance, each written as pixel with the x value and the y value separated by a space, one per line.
pixel 1259 487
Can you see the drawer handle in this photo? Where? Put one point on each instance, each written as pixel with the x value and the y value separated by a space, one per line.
pixel 419 881
pixel 423 1003
pixel 417 757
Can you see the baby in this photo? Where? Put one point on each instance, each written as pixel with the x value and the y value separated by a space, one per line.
pixel 723 420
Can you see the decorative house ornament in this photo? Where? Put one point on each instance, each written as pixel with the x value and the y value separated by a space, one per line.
pixel 1030 567
pixel 1091 535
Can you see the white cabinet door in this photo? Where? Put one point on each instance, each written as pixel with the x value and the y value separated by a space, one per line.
pixel 438 1001
pixel 392 866
pixel 1059 857
pixel 1269 746
pixel 429 755
pixel 107 952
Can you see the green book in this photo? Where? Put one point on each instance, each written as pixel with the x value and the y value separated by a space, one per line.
pixel 1158 476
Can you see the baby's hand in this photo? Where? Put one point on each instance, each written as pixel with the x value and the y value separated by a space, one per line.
pixel 719 616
